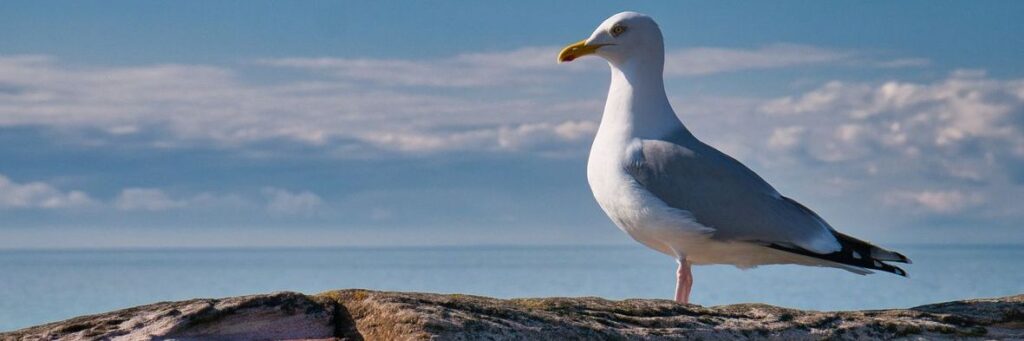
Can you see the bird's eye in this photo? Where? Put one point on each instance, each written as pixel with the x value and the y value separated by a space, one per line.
pixel 617 30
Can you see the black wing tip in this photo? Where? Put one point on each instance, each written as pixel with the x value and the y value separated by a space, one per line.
pixel 902 258
pixel 890 269
pixel 899 271
pixel 849 256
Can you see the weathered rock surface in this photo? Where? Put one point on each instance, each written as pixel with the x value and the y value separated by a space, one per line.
pixel 372 315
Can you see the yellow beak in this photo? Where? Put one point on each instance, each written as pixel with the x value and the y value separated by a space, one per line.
pixel 576 50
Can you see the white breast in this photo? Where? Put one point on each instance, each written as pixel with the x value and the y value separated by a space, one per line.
pixel 639 213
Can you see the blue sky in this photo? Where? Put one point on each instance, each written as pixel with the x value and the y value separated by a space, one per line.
pixel 191 123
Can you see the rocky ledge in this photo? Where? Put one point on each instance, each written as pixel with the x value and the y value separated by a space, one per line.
pixel 374 315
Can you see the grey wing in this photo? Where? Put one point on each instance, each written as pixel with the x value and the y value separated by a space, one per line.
pixel 726 196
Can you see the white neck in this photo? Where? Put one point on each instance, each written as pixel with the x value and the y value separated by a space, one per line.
pixel 637 106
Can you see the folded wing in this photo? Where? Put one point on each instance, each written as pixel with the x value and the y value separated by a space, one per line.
pixel 723 194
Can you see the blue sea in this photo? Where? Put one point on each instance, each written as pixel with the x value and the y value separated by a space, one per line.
pixel 44 286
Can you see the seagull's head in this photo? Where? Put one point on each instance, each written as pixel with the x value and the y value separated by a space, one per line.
pixel 621 38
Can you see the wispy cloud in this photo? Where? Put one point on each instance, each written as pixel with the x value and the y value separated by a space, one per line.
pixel 269 200
pixel 532 136
pixel 534 65
pixel 701 61
pixel 39 195
pixel 285 202
pixel 529 65
pixel 146 199
pixel 903 63
pixel 378 103
pixel 785 137
pixel 945 202
pixel 155 200
pixel 177 104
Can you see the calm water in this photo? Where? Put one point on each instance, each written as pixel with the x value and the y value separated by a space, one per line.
pixel 44 286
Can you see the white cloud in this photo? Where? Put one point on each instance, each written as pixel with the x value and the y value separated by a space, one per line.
pixel 950 201
pixel 829 95
pixel 176 105
pixel 146 199
pixel 947 117
pixel 39 195
pixel 785 137
pixel 849 132
pixel 903 62
pixel 155 199
pixel 534 65
pixel 532 136
pixel 385 103
pixel 710 60
pixel 528 65
pixel 282 201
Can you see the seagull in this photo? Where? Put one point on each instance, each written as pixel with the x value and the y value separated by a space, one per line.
pixel 679 196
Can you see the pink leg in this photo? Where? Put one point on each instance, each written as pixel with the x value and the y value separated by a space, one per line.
pixel 684 280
